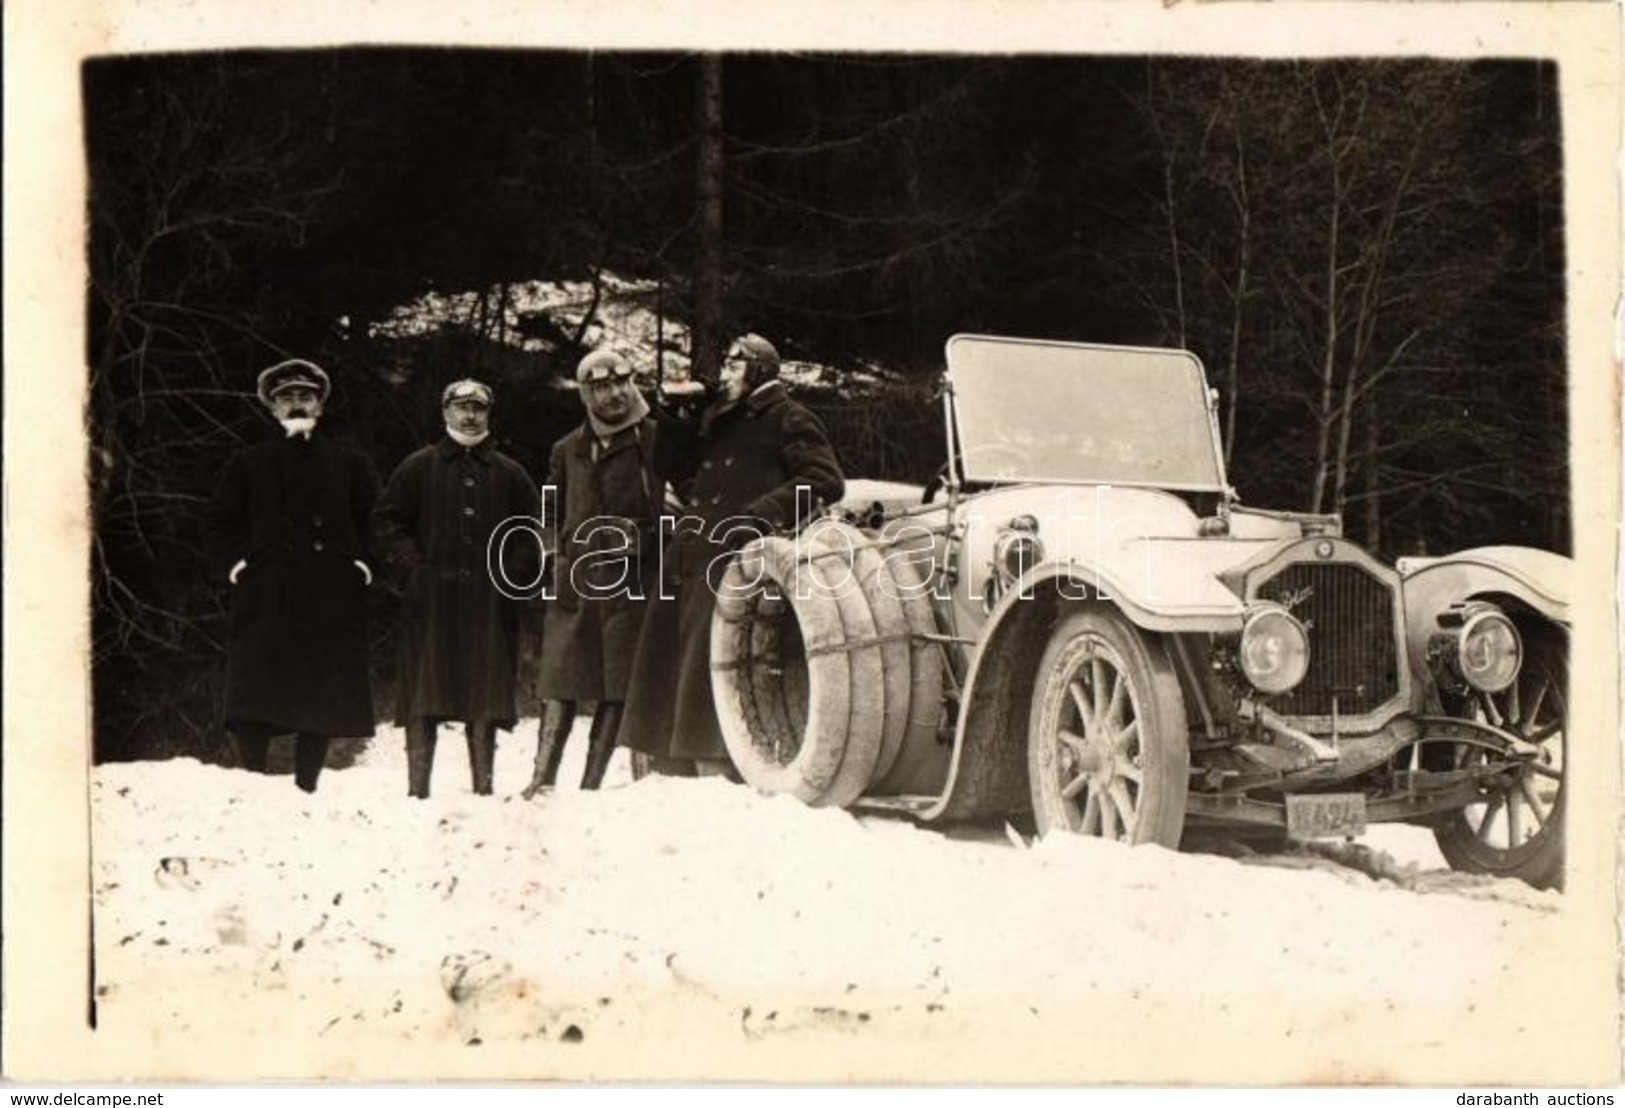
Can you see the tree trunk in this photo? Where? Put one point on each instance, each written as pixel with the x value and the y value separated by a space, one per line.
pixel 1373 475
pixel 1173 245
pixel 706 338
pixel 1345 434
pixel 1328 365
pixel 1232 375
pixel 660 331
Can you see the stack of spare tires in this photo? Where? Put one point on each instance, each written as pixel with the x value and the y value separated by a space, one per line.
pixel 823 663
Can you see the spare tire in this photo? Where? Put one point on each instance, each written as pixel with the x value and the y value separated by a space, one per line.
pixel 831 556
pixel 863 568
pixel 766 586
pixel 924 766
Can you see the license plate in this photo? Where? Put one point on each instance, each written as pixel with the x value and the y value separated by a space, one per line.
pixel 1325 816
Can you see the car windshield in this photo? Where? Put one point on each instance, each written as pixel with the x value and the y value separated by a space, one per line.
pixel 1063 412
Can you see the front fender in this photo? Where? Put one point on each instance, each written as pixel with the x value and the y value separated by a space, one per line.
pixel 1513 576
pixel 1166 586
pixel 987 772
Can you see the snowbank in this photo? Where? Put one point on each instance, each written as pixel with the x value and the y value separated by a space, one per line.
pixel 693 928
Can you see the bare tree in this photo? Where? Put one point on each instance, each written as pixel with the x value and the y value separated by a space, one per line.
pixel 707 326
pixel 1333 233
pixel 186 194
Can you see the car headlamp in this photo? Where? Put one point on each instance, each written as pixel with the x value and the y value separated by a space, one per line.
pixel 1486 651
pixel 1017 550
pixel 1274 649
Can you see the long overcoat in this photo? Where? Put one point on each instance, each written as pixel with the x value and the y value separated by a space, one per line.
pixel 295 511
pixel 459 641
pixel 740 468
pixel 608 502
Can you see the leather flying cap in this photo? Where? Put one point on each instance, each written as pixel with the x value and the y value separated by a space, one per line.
pixel 754 348
pixel 293 373
pixel 759 357
pixel 602 365
pixel 466 390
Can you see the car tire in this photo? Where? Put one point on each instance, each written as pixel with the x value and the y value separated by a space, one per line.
pixel 1517 830
pixel 882 590
pixel 876 649
pixel 921 762
pixel 822 754
pixel 1107 748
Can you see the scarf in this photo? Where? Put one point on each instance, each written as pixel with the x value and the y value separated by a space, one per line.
pixel 467 442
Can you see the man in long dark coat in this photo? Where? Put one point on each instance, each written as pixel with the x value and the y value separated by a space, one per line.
pixel 608 506
pixel 288 528
pixel 458 656
pixel 741 461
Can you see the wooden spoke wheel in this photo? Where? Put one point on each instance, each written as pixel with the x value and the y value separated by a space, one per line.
pixel 1107 750
pixel 1516 830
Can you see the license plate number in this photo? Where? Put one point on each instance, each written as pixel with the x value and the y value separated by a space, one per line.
pixel 1325 816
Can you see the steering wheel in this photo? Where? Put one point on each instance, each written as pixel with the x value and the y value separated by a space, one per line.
pixel 1013 458
pixel 935 484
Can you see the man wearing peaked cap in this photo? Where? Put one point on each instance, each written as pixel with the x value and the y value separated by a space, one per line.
pixel 293 374
pixel 288 527
pixel 458 649
pixel 608 503
pixel 467 389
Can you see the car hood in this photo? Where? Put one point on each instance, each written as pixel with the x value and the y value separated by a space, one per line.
pixel 1140 547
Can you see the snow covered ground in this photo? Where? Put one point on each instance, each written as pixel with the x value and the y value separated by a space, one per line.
pixel 691 928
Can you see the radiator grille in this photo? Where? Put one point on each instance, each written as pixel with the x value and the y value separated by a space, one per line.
pixel 1353 653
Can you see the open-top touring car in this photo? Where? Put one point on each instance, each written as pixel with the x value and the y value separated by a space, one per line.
pixel 1079 620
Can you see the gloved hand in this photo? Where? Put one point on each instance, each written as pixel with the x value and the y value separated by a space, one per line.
pixel 685 399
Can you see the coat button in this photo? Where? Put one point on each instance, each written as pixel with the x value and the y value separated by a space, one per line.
pixel 317 546
pixel 717 499
pixel 315 521
pixel 728 461
pixel 706 464
pixel 468 482
pixel 468 511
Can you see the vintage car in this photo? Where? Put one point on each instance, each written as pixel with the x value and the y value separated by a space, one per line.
pixel 1079 620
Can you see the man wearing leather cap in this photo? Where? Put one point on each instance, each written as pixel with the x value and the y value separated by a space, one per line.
pixel 739 466
pixel 288 526
pixel 458 650
pixel 608 507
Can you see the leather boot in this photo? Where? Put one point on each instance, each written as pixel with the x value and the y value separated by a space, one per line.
pixel 309 755
pixel 482 754
pixel 420 740
pixel 558 716
pixel 606 722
